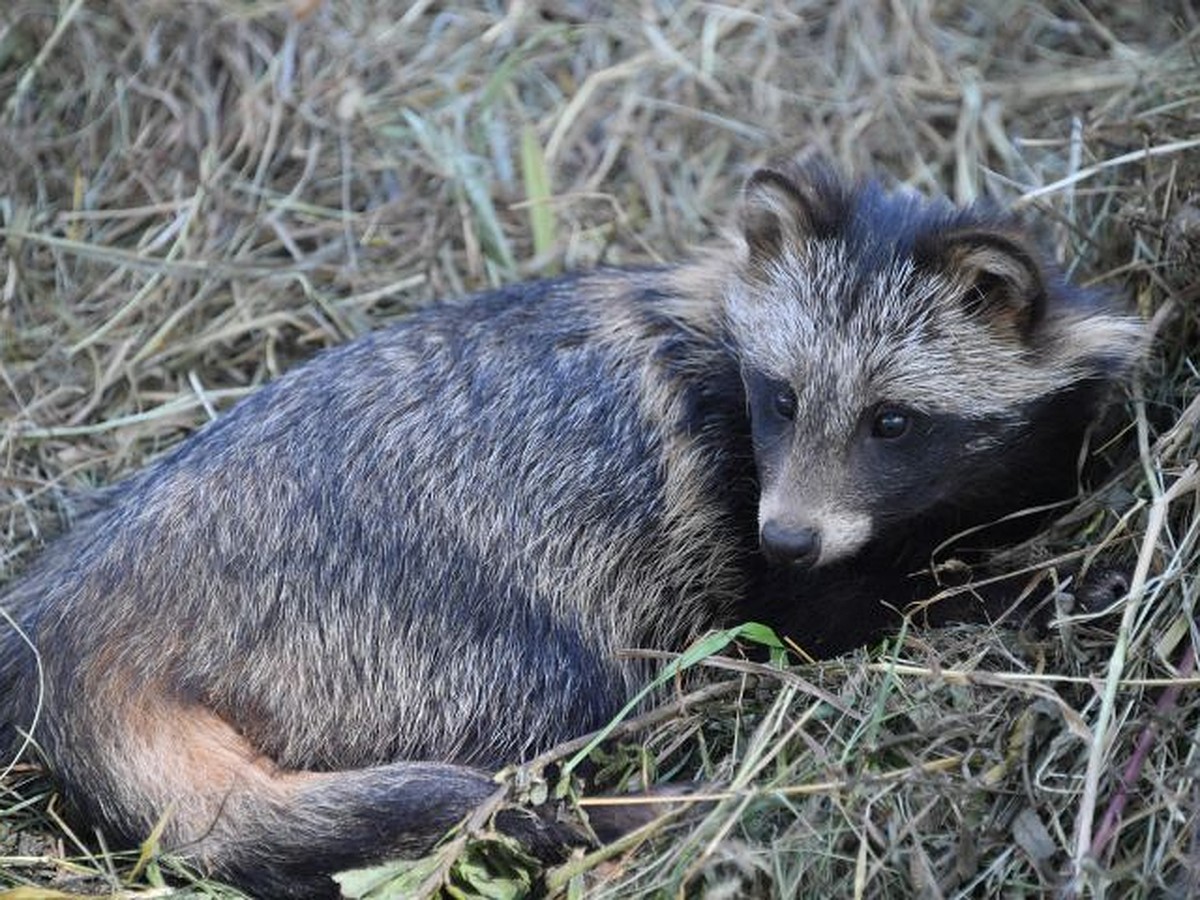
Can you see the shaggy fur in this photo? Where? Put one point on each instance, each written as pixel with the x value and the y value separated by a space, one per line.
pixel 306 636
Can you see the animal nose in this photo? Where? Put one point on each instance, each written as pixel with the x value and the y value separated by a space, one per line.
pixel 790 545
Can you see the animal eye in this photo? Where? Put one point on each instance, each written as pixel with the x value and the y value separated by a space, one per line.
pixel 890 424
pixel 784 403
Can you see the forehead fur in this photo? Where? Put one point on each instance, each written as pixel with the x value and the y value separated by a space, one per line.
pixel 845 312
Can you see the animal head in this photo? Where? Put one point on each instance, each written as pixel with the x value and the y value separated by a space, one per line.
pixel 895 352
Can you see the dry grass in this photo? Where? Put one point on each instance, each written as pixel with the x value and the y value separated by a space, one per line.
pixel 193 196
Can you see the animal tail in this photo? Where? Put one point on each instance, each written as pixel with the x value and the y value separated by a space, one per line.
pixel 273 832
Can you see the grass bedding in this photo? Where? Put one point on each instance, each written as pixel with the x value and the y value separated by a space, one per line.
pixel 194 196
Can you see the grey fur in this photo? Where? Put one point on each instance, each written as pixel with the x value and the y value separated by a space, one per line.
pixel 308 635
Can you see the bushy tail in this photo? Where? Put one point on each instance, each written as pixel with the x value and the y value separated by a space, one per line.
pixel 273 832
pixel 289 842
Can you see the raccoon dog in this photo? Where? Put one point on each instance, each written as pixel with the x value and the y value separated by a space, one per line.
pixel 302 640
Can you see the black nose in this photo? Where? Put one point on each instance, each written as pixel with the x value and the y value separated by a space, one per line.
pixel 786 545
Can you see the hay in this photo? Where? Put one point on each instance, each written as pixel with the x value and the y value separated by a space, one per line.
pixel 195 196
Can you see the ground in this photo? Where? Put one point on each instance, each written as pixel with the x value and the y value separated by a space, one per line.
pixel 195 196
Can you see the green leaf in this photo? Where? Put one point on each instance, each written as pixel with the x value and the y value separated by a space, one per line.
pixel 490 868
pixel 493 869
pixel 390 881
pixel 537 191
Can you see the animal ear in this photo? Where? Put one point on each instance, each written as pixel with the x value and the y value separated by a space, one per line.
pixel 999 277
pixel 778 208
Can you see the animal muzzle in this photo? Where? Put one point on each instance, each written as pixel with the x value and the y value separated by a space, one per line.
pixel 794 546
